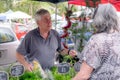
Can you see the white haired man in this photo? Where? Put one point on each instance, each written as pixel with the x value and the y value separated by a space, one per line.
pixel 41 43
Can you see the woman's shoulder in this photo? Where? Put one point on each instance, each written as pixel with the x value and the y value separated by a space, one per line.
pixel 98 37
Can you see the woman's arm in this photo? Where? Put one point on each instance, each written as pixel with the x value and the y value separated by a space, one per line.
pixel 84 73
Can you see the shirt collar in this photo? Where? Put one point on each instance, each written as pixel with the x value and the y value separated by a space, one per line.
pixel 38 33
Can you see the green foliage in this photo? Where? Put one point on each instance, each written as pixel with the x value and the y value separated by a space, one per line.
pixel 66 76
pixel 78 33
pixel 12 78
pixel 5 5
pixel 68 59
pixel 31 6
pixel 30 76
pixel 35 75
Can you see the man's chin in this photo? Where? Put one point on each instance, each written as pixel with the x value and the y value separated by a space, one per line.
pixel 50 27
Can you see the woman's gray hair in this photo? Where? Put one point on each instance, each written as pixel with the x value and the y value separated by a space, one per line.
pixel 106 18
pixel 39 13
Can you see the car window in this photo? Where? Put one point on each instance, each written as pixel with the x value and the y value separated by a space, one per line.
pixel 6 35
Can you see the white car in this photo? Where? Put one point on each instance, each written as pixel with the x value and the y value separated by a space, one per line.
pixel 8 45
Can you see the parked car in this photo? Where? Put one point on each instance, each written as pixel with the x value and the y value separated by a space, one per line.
pixel 8 45
pixel 19 29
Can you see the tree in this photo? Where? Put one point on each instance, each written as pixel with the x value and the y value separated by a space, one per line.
pixel 5 5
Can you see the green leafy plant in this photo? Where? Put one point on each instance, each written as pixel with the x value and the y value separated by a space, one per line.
pixel 35 75
pixel 66 76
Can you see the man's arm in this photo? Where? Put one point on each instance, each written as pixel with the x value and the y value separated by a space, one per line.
pixel 22 60
pixel 84 73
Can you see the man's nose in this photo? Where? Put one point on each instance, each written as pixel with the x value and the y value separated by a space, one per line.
pixel 49 21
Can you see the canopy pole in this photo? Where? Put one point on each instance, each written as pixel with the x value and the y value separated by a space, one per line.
pixel 55 16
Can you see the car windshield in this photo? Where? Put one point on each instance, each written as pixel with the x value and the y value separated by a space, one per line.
pixel 6 35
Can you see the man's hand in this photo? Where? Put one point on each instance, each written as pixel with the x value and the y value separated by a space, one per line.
pixel 29 67
pixel 72 53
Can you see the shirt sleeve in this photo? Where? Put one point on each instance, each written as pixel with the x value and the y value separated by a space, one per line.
pixel 24 47
pixel 60 45
pixel 91 53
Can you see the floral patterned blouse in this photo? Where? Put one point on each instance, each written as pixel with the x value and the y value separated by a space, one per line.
pixel 102 52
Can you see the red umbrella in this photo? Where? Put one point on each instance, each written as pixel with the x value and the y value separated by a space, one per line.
pixel 116 3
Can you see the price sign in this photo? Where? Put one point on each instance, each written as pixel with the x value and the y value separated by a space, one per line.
pixel 77 66
pixel 63 67
pixel 3 75
pixel 17 70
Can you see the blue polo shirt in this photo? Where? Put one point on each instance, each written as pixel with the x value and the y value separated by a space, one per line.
pixel 34 46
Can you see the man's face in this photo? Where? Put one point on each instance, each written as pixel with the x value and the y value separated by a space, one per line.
pixel 45 22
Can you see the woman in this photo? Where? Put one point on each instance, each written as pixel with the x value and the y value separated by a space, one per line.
pixel 101 55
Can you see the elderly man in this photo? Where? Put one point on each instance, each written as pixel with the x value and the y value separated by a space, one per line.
pixel 41 43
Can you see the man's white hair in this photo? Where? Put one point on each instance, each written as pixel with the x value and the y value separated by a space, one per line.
pixel 39 13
